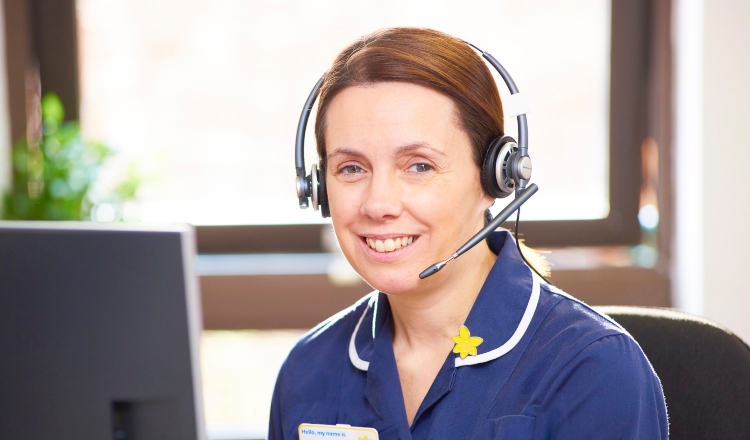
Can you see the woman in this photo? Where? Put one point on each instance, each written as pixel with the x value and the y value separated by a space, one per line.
pixel 482 349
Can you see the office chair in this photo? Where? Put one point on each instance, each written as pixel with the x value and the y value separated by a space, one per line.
pixel 704 370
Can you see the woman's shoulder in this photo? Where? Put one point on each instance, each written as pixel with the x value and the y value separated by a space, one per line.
pixel 574 372
pixel 569 329
pixel 573 336
pixel 573 320
pixel 589 361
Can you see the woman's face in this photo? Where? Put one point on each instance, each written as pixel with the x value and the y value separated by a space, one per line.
pixel 403 189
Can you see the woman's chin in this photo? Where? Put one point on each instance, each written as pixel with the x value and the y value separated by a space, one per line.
pixel 402 282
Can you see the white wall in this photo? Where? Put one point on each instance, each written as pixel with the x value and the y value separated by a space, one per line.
pixel 713 176
pixel 726 163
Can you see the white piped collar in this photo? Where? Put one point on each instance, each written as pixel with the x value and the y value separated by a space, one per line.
pixel 510 287
pixel 353 355
pixel 517 335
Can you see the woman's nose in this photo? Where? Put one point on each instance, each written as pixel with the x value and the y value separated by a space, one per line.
pixel 383 198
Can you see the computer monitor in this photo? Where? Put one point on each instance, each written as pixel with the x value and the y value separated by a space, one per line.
pixel 99 332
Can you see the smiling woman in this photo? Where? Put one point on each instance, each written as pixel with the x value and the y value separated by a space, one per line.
pixel 484 349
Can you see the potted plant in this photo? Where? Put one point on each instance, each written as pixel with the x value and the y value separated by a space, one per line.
pixel 54 175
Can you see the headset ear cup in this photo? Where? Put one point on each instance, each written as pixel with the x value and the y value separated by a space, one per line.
pixel 489 183
pixel 490 177
pixel 323 192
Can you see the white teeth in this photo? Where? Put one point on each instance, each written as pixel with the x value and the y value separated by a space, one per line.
pixel 389 244
pixel 379 246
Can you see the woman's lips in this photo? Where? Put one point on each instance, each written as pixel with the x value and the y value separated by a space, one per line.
pixel 389 244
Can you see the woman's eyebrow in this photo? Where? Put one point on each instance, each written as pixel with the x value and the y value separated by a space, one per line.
pixel 416 146
pixel 398 152
pixel 346 151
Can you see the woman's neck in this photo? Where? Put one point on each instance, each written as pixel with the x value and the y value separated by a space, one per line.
pixel 427 319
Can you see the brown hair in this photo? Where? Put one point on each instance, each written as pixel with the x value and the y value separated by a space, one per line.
pixel 425 57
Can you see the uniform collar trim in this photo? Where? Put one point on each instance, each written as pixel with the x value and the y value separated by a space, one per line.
pixel 493 312
pixel 517 335
pixel 358 362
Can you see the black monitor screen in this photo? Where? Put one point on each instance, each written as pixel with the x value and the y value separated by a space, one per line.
pixel 99 332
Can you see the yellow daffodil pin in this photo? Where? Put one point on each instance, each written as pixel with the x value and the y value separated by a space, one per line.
pixel 465 343
pixel 363 438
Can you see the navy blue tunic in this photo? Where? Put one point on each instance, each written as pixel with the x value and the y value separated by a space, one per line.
pixel 549 367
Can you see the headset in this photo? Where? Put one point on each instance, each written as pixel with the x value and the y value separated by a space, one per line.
pixel 506 167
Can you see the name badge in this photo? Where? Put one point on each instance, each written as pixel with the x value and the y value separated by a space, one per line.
pixel 311 431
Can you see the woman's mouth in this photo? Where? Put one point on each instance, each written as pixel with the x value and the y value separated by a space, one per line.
pixel 389 244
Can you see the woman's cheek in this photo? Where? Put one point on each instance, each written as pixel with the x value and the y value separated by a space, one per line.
pixel 342 199
pixel 431 201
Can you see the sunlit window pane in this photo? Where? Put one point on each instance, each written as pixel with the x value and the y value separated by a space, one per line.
pixel 205 96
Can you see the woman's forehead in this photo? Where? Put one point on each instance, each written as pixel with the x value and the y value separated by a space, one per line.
pixel 391 113
pixel 399 99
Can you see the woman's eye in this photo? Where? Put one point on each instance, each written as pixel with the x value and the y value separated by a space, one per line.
pixel 350 169
pixel 420 168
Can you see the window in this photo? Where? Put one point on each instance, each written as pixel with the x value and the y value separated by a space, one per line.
pixel 214 90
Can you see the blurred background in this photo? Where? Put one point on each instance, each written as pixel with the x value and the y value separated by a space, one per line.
pixel 185 111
